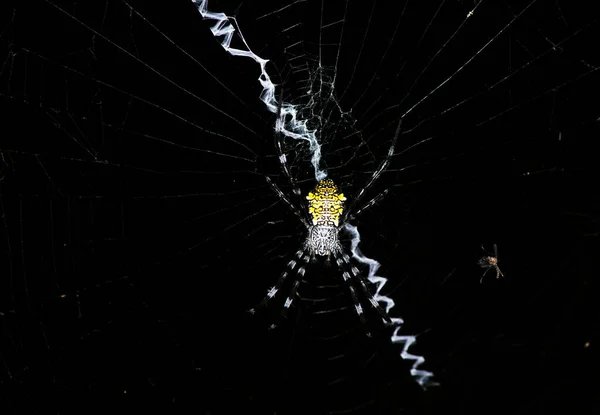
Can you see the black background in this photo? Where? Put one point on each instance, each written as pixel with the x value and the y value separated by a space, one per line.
pixel 131 248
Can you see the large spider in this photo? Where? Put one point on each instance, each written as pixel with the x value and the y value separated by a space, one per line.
pixel 324 219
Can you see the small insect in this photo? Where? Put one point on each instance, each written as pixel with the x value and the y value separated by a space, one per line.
pixel 489 262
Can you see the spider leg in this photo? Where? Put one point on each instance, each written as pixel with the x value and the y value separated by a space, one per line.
pixel 349 278
pixel 355 274
pixel 367 205
pixel 301 254
pixel 279 127
pixel 283 197
pixel 493 254
pixel 486 271
pixel 375 175
pixel 284 165
pixel 291 296
pixel 279 136
pixel 498 272
pixel 357 306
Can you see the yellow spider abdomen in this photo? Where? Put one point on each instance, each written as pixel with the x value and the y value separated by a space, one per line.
pixel 325 204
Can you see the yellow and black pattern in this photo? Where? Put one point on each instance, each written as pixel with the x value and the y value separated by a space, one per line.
pixel 325 204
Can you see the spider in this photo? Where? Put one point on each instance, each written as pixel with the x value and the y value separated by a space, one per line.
pixel 324 220
pixel 490 262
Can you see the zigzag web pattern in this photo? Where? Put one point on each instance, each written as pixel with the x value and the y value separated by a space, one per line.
pixel 287 122
pixel 422 377
pixel 226 27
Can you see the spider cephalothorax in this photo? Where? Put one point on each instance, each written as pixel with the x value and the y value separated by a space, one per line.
pixel 325 205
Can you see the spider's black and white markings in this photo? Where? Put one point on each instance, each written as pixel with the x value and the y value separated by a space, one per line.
pixel 328 218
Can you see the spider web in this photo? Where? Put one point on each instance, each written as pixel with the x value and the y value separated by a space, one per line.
pixel 137 224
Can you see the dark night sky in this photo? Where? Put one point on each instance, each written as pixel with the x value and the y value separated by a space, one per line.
pixel 138 227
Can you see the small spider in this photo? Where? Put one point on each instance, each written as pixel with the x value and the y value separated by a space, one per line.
pixel 490 262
